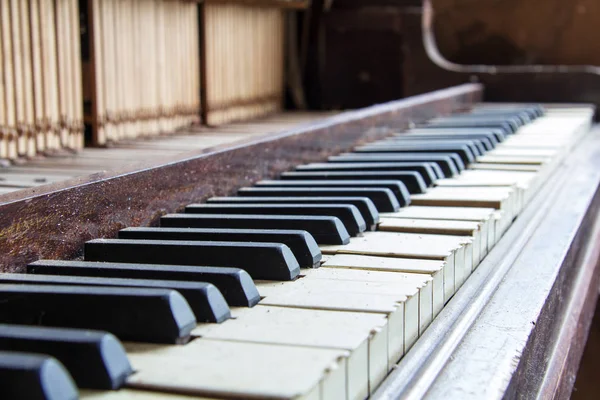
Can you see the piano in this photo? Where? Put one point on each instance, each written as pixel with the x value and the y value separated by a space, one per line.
pixel 436 246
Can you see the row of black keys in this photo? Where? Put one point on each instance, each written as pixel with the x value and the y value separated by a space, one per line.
pixel 272 230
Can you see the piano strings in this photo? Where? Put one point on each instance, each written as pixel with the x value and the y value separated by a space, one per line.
pixel 102 71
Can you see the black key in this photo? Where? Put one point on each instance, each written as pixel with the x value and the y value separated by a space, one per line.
pixel 502 124
pixel 494 135
pixel 365 206
pixel 514 121
pixel 446 162
pixel 204 299
pixel 325 230
pixel 398 188
pixel 462 150
pixel 533 111
pixel 474 145
pixel 235 284
pixel 143 315
pixel 383 198
pixel 273 261
pixel 423 168
pixel 348 214
pixel 487 141
pixel 499 134
pixel 34 377
pixel 522 115
pixel 301 243
pixel 95 359
pixel 411 179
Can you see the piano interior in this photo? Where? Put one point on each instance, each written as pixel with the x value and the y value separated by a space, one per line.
pixel 295 199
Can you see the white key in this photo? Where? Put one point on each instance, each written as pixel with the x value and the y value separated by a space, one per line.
pixel 457 251
pixel 402 311
pixel 391 269
pixel 422 281
pixel 363 335
pixel 220 368
pixel 482 215
pixel 440 227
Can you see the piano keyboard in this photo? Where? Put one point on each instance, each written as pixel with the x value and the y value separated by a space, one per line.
pixel 312 286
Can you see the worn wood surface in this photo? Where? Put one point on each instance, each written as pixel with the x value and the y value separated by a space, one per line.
pixel 55 220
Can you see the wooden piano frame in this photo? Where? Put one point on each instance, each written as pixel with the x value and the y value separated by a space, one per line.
pixel 555 243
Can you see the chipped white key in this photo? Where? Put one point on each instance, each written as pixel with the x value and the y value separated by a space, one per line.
pixel 482 215
pixel 456 251
pixel 525 182
pixel 363 335
pixel 402 311
pixel 220 368
pixel 422 281
pixel 440 227
pixel 406 293
pixel 500 198
pixel 397 266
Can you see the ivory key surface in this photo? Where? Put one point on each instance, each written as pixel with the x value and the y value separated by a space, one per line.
pixel 363 335
pixel 221 368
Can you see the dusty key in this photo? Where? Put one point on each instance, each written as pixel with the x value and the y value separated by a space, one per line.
pixel 456 251
pixel 387 281
pixel 383 198
pixel 476 146
pixel 363 335
pixel 521 118
pixel 301 243
pixel 146 315
pixel 364 204
pixel 411 179
pixel 348 214
pixel 499 134
pixel 503 126
pixel 204 299
pixel 441 227
pixel 533 111
pixel 328 230
pixel 34 377
pixel 483 143
pixel 462 150
pixel 394 265
pixel 235 284
pixel 425 169
pixel 397 187
pixel 400 304
pixel 447 163
pixel 261 260
pixel 510 125
pixel 490 140
pixel 95 359
pixel 483 216
pixel 500 198
pixel 225 369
